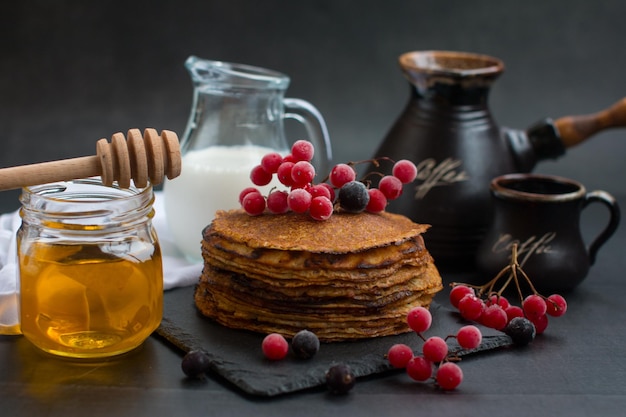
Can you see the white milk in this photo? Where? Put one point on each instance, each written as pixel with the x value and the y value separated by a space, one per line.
pixel 211 180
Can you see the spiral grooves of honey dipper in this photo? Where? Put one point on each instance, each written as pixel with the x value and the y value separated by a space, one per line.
pixel 151 158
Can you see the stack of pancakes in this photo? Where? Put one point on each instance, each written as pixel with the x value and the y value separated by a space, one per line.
pixel 352 276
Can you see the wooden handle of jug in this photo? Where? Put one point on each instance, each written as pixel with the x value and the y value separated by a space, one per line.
pixel 575 129
pixel 140 158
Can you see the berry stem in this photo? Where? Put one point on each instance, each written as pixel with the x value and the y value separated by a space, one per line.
pixel 530 283
pixel 513 268
pixel 421 336
pixel 516 267
pixel 514 276
pixel 364 179
pixel 374 161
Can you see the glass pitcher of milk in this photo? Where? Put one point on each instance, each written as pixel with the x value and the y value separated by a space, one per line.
pixel 236 117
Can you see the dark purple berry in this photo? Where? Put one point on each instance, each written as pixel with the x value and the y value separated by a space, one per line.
pixel 340 379
pixel 521 330
pixel 305 344
pixel 353 197
pixel 196 364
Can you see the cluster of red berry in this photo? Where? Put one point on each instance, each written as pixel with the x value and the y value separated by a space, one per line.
pixel 496 311
pixel 296 172
pixel 447 375
pixel 489 307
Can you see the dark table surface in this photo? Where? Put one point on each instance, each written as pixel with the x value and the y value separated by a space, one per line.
pixel 576 368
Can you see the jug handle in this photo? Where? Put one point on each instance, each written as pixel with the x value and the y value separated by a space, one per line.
pixel 575 129
pixel 307 114
pixel 609 201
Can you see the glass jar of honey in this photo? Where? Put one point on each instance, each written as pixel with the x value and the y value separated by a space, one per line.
pixel 90 267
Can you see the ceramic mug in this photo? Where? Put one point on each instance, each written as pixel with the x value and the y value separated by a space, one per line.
pixel 541 213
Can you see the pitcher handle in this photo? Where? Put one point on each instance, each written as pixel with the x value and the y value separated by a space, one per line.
pixel 314 123
pixel 609 201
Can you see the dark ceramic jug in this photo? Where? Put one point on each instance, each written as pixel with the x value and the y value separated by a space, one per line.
pixel 541 214
pixel 448 131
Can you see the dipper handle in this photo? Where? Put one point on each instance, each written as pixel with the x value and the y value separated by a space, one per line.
pixel 150 157
pixel 575 129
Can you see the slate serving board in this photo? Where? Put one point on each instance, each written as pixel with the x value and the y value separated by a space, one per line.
pixel 236 354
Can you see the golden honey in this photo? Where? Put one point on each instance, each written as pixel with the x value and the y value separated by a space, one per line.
pixel 86 299
pixel 91 281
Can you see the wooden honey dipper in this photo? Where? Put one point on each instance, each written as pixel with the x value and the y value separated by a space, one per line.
pixel 150 157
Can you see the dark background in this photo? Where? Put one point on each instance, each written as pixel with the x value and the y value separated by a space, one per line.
pixel 72 72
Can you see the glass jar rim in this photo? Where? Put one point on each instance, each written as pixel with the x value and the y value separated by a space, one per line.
pixel 86 203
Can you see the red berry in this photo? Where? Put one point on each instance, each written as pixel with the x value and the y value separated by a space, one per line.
pixel 513 311
pixel 302 173
pixel 274 346
pixel 457 292
pixel 435 349
pixel 556 305
pixel 377 202
pixel 498 300
pixel 419 319
pixel 260 176
pixel 253 204
pixel 399 355
pixel 284 173
pixel 540 322
pixel 419 368
pixel 331 190
pixel 534 306
pixel 470 307
pixel 341 174
pixel 494 316
pixel 390 186
pixel 469 337
pixel 271 161
pixel 302 150
pixel 277 202
pixel 247 191
pixel 321 208
pixel 449 376
pixel 299 200
pixel 404 170
pixel 320 190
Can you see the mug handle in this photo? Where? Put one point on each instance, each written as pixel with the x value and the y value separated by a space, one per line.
pixel 314 123
pixel 609 201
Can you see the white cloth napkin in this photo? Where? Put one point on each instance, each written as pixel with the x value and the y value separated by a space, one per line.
pixel 177 270
pixel 9 223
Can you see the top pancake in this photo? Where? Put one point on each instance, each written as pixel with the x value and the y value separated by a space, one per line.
pixel 341 233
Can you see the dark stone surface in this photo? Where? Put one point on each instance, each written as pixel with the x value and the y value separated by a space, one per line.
pixel 237 357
